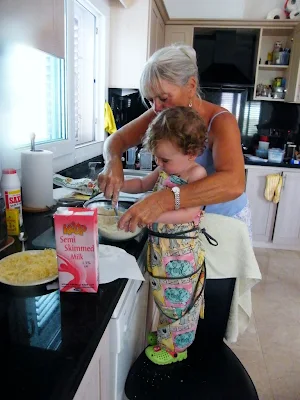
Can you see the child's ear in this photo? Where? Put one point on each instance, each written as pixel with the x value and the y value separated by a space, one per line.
pixel 192 156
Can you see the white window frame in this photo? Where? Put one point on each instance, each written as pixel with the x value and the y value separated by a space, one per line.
pixel 65 152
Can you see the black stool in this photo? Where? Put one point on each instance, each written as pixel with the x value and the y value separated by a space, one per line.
pixel 211 372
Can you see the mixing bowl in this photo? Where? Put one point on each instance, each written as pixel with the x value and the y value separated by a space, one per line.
pixel 107 221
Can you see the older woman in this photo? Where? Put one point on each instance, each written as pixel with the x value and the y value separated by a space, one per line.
pixel 170 79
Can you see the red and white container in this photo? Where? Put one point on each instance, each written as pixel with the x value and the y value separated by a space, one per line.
pixel 76 236
pixel 11 191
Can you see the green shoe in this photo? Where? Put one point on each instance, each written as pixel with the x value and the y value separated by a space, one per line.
pixel 163 357
pixel 152 338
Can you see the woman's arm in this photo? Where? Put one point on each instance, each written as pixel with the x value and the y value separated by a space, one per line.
pixel 141 185
pixel 128 136
pixel 111 178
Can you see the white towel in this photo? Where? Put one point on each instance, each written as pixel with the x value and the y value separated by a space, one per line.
pixel 232 258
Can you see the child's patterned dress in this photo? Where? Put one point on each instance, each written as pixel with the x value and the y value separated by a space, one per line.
pixel 177 269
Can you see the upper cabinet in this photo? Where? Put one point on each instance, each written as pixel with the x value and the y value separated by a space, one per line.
pixel 156 32
pixel 36 23
pixel 179 34
pixel 274 64
pixel 293 93
pixel 136 32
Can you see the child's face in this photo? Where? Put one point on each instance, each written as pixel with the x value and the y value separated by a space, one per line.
pixel 171 159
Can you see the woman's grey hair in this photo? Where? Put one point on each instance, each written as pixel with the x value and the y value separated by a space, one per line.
pixel 175 64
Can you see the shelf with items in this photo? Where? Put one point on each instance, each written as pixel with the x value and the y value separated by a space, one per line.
pixel 273 67
pixel 273 64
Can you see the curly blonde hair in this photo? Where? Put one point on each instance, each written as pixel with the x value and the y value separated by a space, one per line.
pixel 182 126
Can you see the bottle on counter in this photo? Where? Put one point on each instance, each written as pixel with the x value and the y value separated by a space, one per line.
pixel 11 190
pixel 3 228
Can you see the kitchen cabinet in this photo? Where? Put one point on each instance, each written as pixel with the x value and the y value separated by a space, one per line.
pixel 293 93
pixel 265 74
pixel 263 211
pixel 36 23
pixel 179 34
pixel 135 33
pixel 275 225
pixel 95 383
pixel 157 31
pixel 287 227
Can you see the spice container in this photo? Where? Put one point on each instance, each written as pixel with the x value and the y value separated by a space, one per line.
pixel 3 229
pixel 11 190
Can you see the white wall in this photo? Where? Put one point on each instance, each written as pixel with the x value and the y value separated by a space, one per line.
pixel 223 9
pixel 128 42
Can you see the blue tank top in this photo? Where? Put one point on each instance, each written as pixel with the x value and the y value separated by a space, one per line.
pixel 228 208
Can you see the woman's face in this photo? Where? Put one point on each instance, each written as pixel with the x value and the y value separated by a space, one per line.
pixel 171 96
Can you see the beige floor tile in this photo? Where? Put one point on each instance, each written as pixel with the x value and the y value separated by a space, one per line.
pixel 254 364
pixel 287 387
pixel 274 332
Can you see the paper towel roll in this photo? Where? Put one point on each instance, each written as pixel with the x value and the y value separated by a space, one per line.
pixel 295 14
pixel 292 5
pixel 277 13
pixel 37 178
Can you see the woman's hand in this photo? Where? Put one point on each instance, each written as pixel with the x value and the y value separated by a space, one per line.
pixel 111 179
pixel 147 210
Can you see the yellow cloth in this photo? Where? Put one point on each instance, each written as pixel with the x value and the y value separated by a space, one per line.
pixel 273 187
pixel 109 120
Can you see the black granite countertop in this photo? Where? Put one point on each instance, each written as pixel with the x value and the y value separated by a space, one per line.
pixel 48 338
pixel 272 164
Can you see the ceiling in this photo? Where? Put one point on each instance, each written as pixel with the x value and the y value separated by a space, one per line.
pixel 221 9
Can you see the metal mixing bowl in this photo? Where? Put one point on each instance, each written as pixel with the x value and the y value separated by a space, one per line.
pixel 115 234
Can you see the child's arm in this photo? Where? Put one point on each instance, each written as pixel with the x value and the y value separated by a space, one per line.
pixel 184 215
pixel 141 185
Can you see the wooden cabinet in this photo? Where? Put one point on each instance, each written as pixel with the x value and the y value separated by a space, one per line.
pixel 293 92
pixel 95 383
pixel 36 23
pixel 287 227
pixel 263 211
pixel 157 31
pixel 135 33
pixel 275 225
pixel 179 34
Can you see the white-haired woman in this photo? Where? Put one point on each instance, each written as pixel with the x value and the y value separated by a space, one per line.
pixel 170 79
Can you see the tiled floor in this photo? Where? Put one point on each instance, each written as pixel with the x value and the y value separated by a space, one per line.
pixel 270 348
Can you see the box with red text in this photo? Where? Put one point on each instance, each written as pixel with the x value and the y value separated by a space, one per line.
pixel 76 236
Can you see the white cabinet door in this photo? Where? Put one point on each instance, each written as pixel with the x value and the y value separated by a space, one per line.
pixel 263 211
pixel 179 34
pixel 287 227
pixel 95 383
pixel 37 23
pixel 157 31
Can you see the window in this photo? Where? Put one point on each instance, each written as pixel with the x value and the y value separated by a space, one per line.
pixel 85 31
pixel 37 96
pixel 60 100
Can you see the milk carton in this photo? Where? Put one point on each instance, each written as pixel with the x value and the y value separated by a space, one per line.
pixel 76 236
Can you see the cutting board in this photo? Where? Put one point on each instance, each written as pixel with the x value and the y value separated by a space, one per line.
pixel 45 240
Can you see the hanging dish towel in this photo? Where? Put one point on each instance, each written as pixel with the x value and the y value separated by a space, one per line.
pixel 232 258
pixel 109 120
pixel 273 187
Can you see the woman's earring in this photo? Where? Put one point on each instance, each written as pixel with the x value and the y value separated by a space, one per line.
pixel 190 103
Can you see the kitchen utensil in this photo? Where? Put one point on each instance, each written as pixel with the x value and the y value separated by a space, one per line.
pixel 116 208
pixel 290 149
pixel 23 237
pixel 114 235
pixel 278 92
